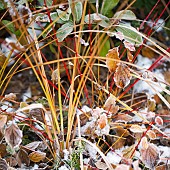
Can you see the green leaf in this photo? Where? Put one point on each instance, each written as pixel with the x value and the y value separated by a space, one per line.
pixel 64 31
pixel 64 15
pixel 102 20
pixel 2 5
pixel 55 17
pixel 78 9
pixel 130 34
pixel 125 14
pixel 105 48
pixel 9 25
pixel 107 7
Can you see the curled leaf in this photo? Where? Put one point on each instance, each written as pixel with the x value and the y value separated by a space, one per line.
pixel 102 122
pixel 110 105
pixel 110 63
pixel 13 135
pixel 144 143
pixel 122 75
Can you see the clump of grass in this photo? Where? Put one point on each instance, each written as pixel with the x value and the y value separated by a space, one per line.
pixel 83 58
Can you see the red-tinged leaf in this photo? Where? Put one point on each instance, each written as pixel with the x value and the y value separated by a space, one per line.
pixel 3 120
pixel 13 135
pixel 110 105
pixel 110 63
pixel 37 156
pixel 3 164
pixel 129 56
pixel 137 129
pixel 150 156
pixel 102 122
pixel 144 143
pixel 122 76
pixel 159 121
pixel 129 46
pixel 151 134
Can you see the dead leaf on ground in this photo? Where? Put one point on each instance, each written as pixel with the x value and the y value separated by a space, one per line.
pixel 3 151
pixel 150 156
pixel 110 105
pixel 32 145
pixel 12 161
pixel 147 52
pixel 2 59
pixel 122 167
pixel 127 153
pixel 144 143
pixel 112 54
pixel 3 120
pixel 102 121
pixel 13 135
pixel 3 164
pixel 101 165
pixel 122 75
pixel 22 157
pixel 151 134
pixel 137 129
pixel 37 156
pixel 129 55
pixel 123 118
pixel 159 121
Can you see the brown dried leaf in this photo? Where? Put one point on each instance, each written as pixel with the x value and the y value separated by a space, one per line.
pixel 32 145
pixel 3 164
pixel 13 135
pixel 144 143
pixel 3 120
pixel 151 104
pixel 159 121
pixel 12 161
pixel 110 105
pixel 3 151
pixel 37 156
pixel 102 121
pixel 24 104
pixel 22 157
pixel 150 156
pixel 2 59
pixel 129 55
pixel 112 54
pixel 10 96
pixel 127 153
pixel 151 134
pixel 123 118
pixel 122 75
pixel 161 167
pixel 137 129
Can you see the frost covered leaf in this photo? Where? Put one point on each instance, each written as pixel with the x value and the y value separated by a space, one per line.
pixel 102 121
pixel 112 54
pixel 129 46
pixel 101 165
pixel 144 143
pixel 110 105
pixel 108 5
pixel 13 135
pixel 137 129
pixel 102 20
pixel 123 118
pixel 129 56
pixel 151 134
pixel 130 33
pixel 54 75
pixel 3 164
pixel 10 96
pixel 37 156
pixel 159 121
pixel 32 145
pixel 122 167
pixel 64 31
pixel 127 153
pixel 3 120
pixel 78 9
pixel 22 157
pixel 122 75
pixel 64 15
pixel 125 14
pixel 150 156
